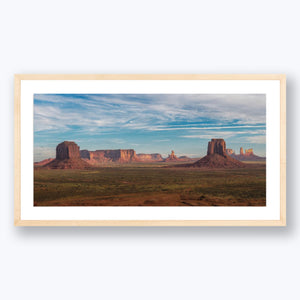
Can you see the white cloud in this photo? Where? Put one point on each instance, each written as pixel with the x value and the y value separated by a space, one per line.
pixel 212 135
pixel 147 112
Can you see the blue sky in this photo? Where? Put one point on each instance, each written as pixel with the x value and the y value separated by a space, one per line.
pixel 149 123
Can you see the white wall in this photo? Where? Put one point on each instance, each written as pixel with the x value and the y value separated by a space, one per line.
pixel 149 37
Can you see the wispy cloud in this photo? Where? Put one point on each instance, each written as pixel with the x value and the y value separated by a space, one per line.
pixel 114 120
pixel 142 111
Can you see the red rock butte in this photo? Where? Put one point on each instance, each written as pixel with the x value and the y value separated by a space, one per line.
pixel 217 157
pixel 67 157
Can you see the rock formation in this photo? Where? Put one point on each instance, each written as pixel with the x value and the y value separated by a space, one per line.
pixel 229 151
pixel 216 157
pixel 149 157
pixel 248 152
pixel 248 155
pixel 106 156
pixel 67 157
pixel 171 157
pixel 184 157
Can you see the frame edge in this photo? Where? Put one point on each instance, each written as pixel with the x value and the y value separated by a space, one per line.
pixel 283 149
pixel 17 150
pixel 150 76
pixel 151 223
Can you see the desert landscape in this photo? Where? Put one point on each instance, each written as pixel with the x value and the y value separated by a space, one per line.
pixel 124 178
pixel 149 150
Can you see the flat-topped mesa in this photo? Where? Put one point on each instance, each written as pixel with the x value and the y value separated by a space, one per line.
pixel 106 156
pixel 127 155
pixel 149 157
pixel 67 150
pixel 216 146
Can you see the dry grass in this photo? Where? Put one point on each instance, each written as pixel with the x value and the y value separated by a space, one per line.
pixel 151 185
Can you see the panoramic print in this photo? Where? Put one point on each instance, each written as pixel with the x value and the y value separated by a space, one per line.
pixel 149 150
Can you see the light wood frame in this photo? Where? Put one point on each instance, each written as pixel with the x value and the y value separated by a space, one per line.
pixel 17 153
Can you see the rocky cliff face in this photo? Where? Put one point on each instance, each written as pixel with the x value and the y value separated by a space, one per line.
pixel 149 157
pixel 216 146
pixel 127 155
pixel 105 156
pixel 85 154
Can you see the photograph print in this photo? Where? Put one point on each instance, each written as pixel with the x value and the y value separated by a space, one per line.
pixel 149 150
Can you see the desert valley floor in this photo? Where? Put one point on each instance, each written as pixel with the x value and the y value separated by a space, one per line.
pixel 151 184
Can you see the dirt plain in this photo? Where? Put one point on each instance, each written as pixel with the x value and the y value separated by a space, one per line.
pixel 151 184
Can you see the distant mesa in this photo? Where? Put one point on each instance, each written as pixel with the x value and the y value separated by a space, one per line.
pixel 184 157
pixel 106 156
pixel 67 157
pixel 122 156
pixel 149 157
pixel 216 158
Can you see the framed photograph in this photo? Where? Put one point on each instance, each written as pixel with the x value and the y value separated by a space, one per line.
pixel 150 150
